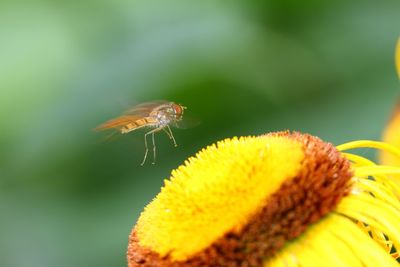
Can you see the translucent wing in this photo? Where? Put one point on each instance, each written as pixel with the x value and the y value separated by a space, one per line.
pixel 134 118
pixel 144 109
pixel 118 123
pixel 187 122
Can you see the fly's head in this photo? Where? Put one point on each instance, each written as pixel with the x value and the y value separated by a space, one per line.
pixel 177 111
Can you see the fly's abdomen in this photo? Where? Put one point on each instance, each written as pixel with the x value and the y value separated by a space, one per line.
pixel 139 123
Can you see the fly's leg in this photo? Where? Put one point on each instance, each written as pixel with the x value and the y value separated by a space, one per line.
pixel 154 148
pixel 154 144
pixel 147 150
pixel 171 136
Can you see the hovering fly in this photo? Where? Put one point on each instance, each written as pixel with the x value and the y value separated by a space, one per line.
pixel 158 115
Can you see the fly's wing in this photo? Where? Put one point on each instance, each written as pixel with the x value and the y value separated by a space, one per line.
pixel 118 123
pixel 134 118
pixel 144 109
pixel 187 122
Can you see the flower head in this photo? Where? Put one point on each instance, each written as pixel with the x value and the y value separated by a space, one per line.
pixel 282 199
pixel 397 57
pixel 391 134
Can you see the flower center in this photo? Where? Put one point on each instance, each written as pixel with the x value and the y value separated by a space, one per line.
pixel 240 201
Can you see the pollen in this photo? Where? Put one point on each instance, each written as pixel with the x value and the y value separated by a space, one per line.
pixel 240 200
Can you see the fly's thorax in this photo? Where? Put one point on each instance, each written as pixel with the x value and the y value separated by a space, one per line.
pixel 165 114
pixel 162 118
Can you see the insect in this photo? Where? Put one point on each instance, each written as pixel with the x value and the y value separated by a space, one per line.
pixel 158 115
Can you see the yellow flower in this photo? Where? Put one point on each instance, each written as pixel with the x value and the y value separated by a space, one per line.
pixel 282 199
pixel 391 133
pixel 397 57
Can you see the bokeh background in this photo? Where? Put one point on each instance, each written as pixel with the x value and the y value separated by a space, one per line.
pixel 69 198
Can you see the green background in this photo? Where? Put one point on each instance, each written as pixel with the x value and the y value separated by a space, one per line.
pixel 69 198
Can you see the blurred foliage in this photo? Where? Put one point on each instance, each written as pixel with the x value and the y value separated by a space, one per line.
pixel 243 68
